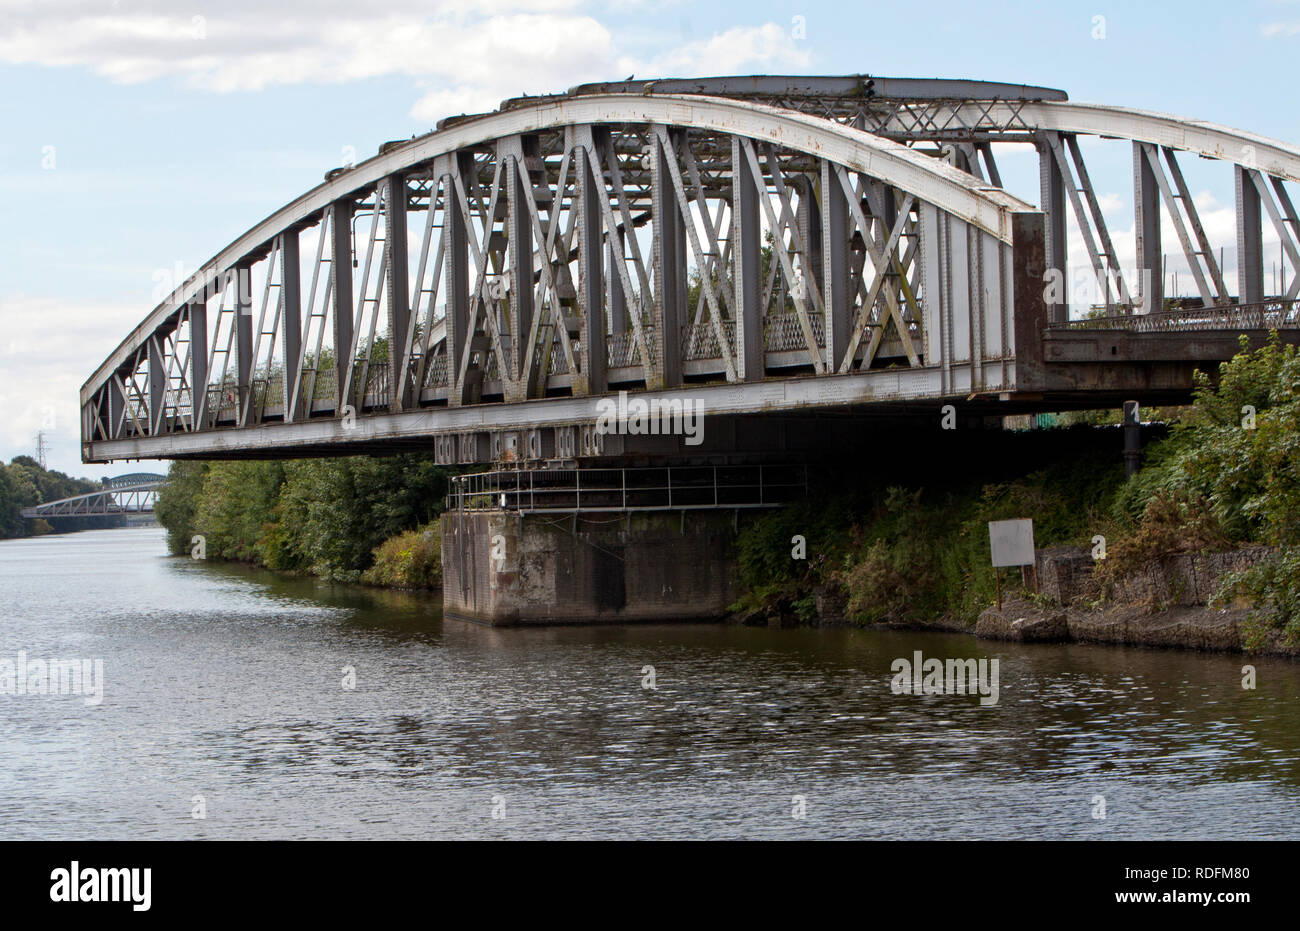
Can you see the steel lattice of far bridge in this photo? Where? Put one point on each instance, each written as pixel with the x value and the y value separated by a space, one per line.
pixel 761 245
pixel 124 494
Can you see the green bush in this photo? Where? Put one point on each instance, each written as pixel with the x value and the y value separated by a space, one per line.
pixel 1173 522
pixel 337 511
pixel 1221 481
pixel 412 559
pixel 899 551
pixel 236 509
pixel 1271 588
pixel 326 516
pixel 878 591
pixel 177 501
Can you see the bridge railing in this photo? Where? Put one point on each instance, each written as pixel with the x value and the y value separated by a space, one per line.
pixel 784 332
pixel 629 489
pixel 700 340
pixel 1263 315
pixel 556 362
pixel 369 385
pixel 435 375
pixel 323 385
pixel 621 349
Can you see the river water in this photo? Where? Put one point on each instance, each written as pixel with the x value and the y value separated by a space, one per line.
pixel 224 694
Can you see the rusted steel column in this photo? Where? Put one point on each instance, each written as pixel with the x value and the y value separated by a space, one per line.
pixel 836 280
pixel 669 273
pixel 591 290
pixel 747 255
pixel 1132 439
pixel 1146 207
pixel 1029 305
pixel 1250 246
pixel 454 169
pixel 198 372
pixel 243 337
pixel 341 288
pixel 399 300
pixel 519 242
pixel 157 382
pixel 291 319
pixel 1057 264
pixel 618 323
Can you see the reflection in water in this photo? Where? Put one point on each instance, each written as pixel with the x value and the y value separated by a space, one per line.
pixel 228 684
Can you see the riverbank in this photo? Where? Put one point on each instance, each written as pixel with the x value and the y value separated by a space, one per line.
pixel 895 533
pixel 1188 628
pixel 1171 604
pixel 1205 535
pixel 1197 628
pixel 362 519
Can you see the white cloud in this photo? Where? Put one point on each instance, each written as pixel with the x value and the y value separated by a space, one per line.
pixel 1110 202
pixel 740 48
pixel 1280 30
pixel 247 46
pixel 463 61
pixel 448 101
pixel 510 56
pixel 47 349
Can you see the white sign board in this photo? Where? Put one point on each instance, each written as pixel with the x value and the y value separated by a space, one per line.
pixel 1012 542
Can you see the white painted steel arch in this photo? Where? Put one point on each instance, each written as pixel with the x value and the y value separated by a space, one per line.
pixel 614 236
pixel 1212 140
pixel 955 192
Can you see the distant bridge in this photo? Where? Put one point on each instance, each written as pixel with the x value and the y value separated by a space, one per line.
pixel 125 494
pixel 773 248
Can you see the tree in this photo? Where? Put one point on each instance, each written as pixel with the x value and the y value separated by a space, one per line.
pixel 176 502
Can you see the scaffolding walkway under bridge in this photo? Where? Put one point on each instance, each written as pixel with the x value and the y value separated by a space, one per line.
pixel 664 488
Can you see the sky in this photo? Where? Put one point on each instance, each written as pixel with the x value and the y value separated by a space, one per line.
pixel 142 136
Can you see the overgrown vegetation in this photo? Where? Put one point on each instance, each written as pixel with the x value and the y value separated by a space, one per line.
pixel 325 516
pixel 412 559
pixel 1226 474
pixel 904 551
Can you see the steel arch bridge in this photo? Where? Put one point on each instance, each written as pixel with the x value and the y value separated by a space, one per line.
pixel 125 494
pixel 757 244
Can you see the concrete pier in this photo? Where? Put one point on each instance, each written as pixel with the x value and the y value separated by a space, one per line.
pixel 505 568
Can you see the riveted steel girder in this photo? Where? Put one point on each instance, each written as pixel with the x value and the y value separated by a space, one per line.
pixel 661 236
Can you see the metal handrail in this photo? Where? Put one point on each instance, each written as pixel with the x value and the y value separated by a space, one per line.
pixel 1261 315
pixel 628 488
